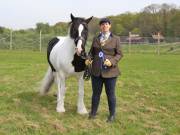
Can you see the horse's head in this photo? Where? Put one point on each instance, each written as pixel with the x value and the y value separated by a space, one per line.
pixel 79 32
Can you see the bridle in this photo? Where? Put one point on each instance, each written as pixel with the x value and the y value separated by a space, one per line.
pixel 79 38
pixel 83 54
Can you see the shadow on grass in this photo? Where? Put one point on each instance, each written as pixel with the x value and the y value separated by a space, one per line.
pixel 47 102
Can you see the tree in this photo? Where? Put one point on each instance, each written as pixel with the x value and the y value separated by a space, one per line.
pixel 1 30
pixel 124 23
pixel 174 26
pixel 44 27
pixel 60 28
pixel 150 21
pixel 166 14
pixel 93 26
pixel 136 31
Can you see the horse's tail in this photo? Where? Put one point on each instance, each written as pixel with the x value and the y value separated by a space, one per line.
pixel 47 82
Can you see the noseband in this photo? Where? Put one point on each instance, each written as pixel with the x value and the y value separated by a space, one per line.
pixel 83 54
pixel 79 38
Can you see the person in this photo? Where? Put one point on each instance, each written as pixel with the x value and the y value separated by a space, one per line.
pixel 105 54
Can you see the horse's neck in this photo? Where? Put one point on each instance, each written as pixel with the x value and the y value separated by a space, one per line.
pixel 70 42
pixel 68 45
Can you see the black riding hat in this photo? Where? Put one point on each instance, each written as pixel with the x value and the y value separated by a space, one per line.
pixel 104 20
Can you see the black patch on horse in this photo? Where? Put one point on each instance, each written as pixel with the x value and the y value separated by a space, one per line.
pixel 51 44
pixel 78 63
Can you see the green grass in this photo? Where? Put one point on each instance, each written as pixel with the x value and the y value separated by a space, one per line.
pixel 148 98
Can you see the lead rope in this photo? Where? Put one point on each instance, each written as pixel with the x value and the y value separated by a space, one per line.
pixel 87 72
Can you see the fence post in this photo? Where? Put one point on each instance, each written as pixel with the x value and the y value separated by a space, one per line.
pixel 159 36
pixel 40 43
pixel 10 43
pixel 129 45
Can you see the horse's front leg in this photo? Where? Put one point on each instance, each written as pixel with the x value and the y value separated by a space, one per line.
pixel 61 93
pixel 81 109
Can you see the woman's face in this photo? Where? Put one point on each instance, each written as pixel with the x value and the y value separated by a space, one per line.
pixel 105 27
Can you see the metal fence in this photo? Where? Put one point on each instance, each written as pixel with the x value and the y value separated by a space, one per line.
pixel 33 41
pixel 38 42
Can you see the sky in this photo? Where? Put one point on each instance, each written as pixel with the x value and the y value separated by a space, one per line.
pixel 23 14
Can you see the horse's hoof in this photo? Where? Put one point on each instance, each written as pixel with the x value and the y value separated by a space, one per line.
pixel 82 111
pixel 60 110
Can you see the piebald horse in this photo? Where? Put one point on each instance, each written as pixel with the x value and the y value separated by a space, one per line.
pixel 65 56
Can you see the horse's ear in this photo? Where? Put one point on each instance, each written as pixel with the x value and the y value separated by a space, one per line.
pixel 72 17
pixel 89 19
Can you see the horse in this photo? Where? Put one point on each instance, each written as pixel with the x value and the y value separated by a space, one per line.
pixel 65 56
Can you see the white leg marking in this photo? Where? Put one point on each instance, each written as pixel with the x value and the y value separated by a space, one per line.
pixel 61 93
pixel 81 107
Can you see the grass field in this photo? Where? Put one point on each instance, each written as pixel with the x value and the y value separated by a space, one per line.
pixel 148 98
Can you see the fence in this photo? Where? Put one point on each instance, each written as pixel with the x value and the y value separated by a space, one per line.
pixel 38 42
pixel 25 41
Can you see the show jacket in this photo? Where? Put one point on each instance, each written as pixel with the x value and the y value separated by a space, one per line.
pixel 111 50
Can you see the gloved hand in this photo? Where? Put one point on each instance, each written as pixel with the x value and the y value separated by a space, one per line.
pixel 107 63
pixel 88 62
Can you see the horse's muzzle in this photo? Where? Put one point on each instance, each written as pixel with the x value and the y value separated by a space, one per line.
pixel 78 52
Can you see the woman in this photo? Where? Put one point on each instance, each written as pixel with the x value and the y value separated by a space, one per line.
pixel 105 53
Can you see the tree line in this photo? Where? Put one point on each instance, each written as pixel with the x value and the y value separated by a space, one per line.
pixel 154 18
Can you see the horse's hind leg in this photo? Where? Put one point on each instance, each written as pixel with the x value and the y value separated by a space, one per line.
pixel 61 93
pixel 81 109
